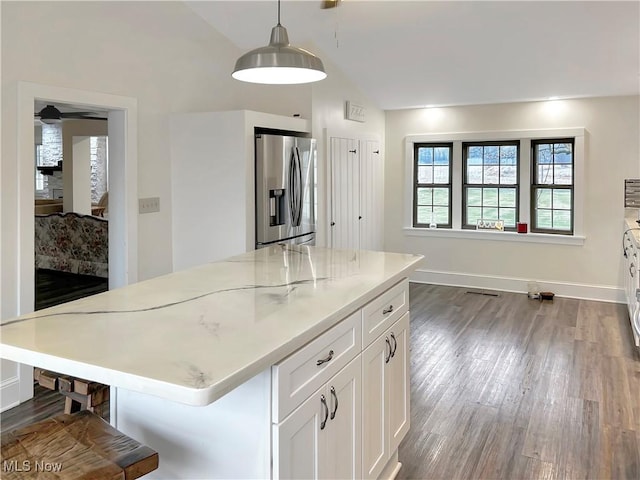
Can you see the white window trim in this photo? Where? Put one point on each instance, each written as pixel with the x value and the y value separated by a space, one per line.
pixel 525 137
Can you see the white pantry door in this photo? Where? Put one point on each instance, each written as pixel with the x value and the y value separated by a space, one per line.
pixel 345 197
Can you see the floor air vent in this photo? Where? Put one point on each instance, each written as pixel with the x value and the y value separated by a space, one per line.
pixel 488 294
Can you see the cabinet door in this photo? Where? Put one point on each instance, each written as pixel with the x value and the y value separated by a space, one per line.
pixel 375 445
pixel 345 202
pixel 297 441
pixel 398 382
pixel 371 195
pixel 343 449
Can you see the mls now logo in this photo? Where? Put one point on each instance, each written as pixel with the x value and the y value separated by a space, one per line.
pixel 29 466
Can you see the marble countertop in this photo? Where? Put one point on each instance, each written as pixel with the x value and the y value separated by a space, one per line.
pixel 194 335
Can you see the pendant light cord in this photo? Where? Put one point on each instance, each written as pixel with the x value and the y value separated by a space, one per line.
pixel 279 13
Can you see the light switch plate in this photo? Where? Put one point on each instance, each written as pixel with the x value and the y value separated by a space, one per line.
pixel 149 205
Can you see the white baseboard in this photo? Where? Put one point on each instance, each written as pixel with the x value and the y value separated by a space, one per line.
pixel 603 293
pixel 9 393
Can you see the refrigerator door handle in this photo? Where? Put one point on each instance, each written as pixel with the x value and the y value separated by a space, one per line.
pixel 295 190
pixel 292 188
pixel 298 188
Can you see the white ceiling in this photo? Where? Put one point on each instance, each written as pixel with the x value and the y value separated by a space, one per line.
pixel 411 54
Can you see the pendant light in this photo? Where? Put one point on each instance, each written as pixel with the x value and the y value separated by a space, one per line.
pixel 279 62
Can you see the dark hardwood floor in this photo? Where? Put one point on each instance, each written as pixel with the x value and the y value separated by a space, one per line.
pixel 510 388
pixel 506 388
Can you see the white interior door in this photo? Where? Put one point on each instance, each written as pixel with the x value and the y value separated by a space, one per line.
pixel 371 195
pixel 345 198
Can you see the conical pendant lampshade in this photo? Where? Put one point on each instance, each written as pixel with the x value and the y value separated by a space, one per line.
pixel 279 62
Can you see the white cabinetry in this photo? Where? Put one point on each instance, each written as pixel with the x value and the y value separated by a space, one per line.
pixel 357 193
pixel 212 182
pixel 632 281
pixel 340 404
pixel 385 393
pixel 321 438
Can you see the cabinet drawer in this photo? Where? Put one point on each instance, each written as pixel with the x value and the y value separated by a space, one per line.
pixel 303 372
pixel 381 313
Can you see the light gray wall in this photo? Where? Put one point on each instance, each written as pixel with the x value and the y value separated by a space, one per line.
pixel 612 154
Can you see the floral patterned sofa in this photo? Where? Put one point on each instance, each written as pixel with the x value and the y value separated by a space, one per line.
pixel 74 243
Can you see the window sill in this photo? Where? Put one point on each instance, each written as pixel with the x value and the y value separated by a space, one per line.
pixel 496 236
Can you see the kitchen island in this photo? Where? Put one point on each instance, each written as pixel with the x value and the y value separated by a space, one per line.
pixel 200 361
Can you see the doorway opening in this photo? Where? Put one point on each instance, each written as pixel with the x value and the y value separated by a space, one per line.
pixel 16 382
pixel 71 225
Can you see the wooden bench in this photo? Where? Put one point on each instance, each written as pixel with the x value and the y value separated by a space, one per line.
pixel 80 446
pixel 79 394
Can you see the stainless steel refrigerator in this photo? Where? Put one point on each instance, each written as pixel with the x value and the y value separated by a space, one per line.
pixel 285 190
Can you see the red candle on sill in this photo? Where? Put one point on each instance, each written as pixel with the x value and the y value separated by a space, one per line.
pixel 521 227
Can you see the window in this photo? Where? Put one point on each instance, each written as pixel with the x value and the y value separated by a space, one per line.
pixel 552 180
pixel 490 183
pixel 432 184
pixel 530 176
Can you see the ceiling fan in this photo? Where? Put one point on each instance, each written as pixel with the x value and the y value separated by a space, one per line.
pixel 50 114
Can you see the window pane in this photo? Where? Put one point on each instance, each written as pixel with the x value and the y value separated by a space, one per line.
pixel 474 197
pixel 490 197
pixel 424 196
pixel 491 175
pixel 543 198
pixel 474 156
pixel 544 154
pixel 562 199
pixel 491 155
pixel 441 196
pixel 424 215
pixel 562 220
pixel 440 174
pixel 441 156
pixel 508 155
pixel 508 175
pixel 425 156
pixel 545 174
pixel 442 214
pixel 563 174
pixel 474 174
pixel 425 174
pixel 562 153
pixel 507 197
pixel 543 219
pixel 508 215
pixel 490 213
pixel 473 215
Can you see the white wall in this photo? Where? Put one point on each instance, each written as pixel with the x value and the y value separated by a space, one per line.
pixel 612 154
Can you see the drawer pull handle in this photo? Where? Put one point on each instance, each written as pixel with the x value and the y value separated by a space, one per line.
pixel 395 345
pixel 323 401
pixel 325 359
pixel 387 310
pixel 631 267
pixel 387 357
pixel 335 399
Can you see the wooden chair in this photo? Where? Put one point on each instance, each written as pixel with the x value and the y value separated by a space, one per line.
pixel 78 446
